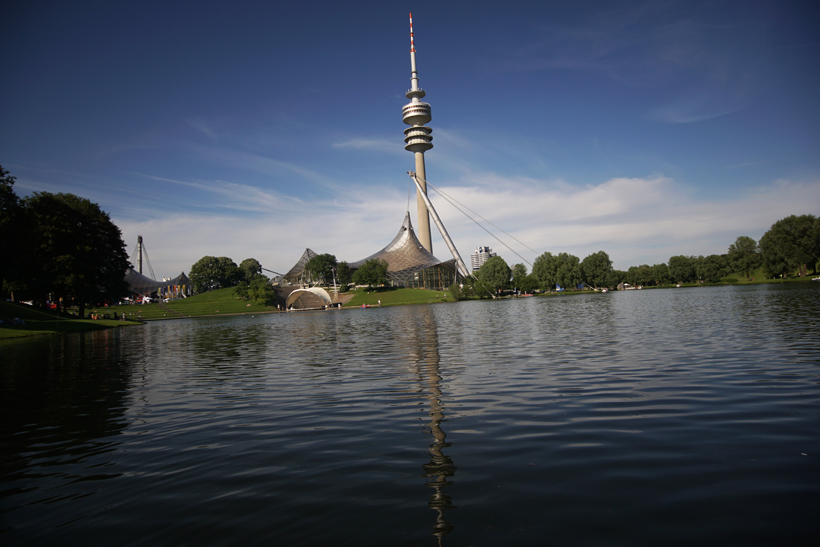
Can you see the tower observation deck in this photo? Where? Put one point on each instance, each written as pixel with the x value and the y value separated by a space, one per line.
pixel 418 139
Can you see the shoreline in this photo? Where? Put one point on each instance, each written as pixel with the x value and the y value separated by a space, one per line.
pixel 38 317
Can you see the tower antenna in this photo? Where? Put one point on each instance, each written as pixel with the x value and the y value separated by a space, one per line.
pixel 418 139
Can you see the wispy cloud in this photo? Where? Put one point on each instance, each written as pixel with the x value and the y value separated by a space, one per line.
pixel 240 197
pixel 200 125
pixel 387 146
pixel 686 110
pixel 278 170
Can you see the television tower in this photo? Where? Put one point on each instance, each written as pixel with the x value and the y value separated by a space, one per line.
pixel 418 139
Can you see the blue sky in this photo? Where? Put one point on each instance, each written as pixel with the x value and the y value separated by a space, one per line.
pixel 256 129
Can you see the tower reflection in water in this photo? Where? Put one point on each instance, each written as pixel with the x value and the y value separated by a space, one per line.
pixel 423 342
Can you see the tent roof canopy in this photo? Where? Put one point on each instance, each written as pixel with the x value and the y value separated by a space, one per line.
pixel 405 255
pixel 299 268
pixel 141 284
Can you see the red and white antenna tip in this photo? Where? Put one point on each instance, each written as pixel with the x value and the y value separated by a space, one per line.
pixel 412 45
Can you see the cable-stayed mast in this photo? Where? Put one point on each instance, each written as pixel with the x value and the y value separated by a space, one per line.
pixel 418 139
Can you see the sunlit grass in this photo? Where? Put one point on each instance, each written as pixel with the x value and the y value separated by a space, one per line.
pixel 390 296
pixel 218 302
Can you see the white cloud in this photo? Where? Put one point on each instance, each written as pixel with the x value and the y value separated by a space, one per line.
pixel 635 220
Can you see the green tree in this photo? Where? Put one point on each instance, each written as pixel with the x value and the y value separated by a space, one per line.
pixel 568 273
pixel 660 274
pixel 13 232
pixel 545 270
pixel 639 275
pixel 344 275
pixel 528 284
pixel 261 291
pixel 743 255
pixel 241 290
pixel 210 273
pixel 457 292
pixel 249 268
pixel 494 274
pixel 519 273
pixel 697 264
pixel 791 244
pixel 231 273
pixel 373 272
pixel 204 274
pixel 595 269
pixel 633 275
pixel 77 253
pixel 681 269
pixel 615 278
pixel 713 267
pixel 8 199
pixel 321 267
pixel 470 287
pixel 816 236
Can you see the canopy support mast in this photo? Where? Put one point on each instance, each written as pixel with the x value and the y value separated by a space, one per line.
pixel 450 245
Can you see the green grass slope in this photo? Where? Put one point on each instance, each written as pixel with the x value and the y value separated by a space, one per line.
pixel 391 296
pixel 218 302
pixel 39 322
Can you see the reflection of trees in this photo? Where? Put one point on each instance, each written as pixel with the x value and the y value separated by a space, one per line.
pixel 62 400
pixel 423 347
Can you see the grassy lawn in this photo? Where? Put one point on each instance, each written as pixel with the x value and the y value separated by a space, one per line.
pixel 39 322
pixel 391 296
pixel 218 302
pixel 225 302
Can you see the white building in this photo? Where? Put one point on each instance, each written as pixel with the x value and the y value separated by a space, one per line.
pixel 480 256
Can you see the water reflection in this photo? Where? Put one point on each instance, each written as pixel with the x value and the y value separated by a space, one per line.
pixel 637 415
pixel 63 401
pixel 423 349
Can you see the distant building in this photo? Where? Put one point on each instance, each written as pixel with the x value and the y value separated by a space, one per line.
pixel 480 256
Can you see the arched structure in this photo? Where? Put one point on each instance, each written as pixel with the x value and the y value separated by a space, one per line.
pixel 308 299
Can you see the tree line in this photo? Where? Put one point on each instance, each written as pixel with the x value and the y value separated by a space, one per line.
pixel 59 248
pixel 791 245
pixel 211 273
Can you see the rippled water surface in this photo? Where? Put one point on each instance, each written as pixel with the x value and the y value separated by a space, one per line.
pixel 687 416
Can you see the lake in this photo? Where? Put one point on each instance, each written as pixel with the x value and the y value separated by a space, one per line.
pixel 655 417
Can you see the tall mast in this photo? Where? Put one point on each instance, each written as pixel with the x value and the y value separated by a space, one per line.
pixel 452 246
pixel 418 139
pixel 139 252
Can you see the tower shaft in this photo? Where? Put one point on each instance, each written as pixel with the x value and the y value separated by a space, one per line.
pixel 418 139
pixel 423 225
